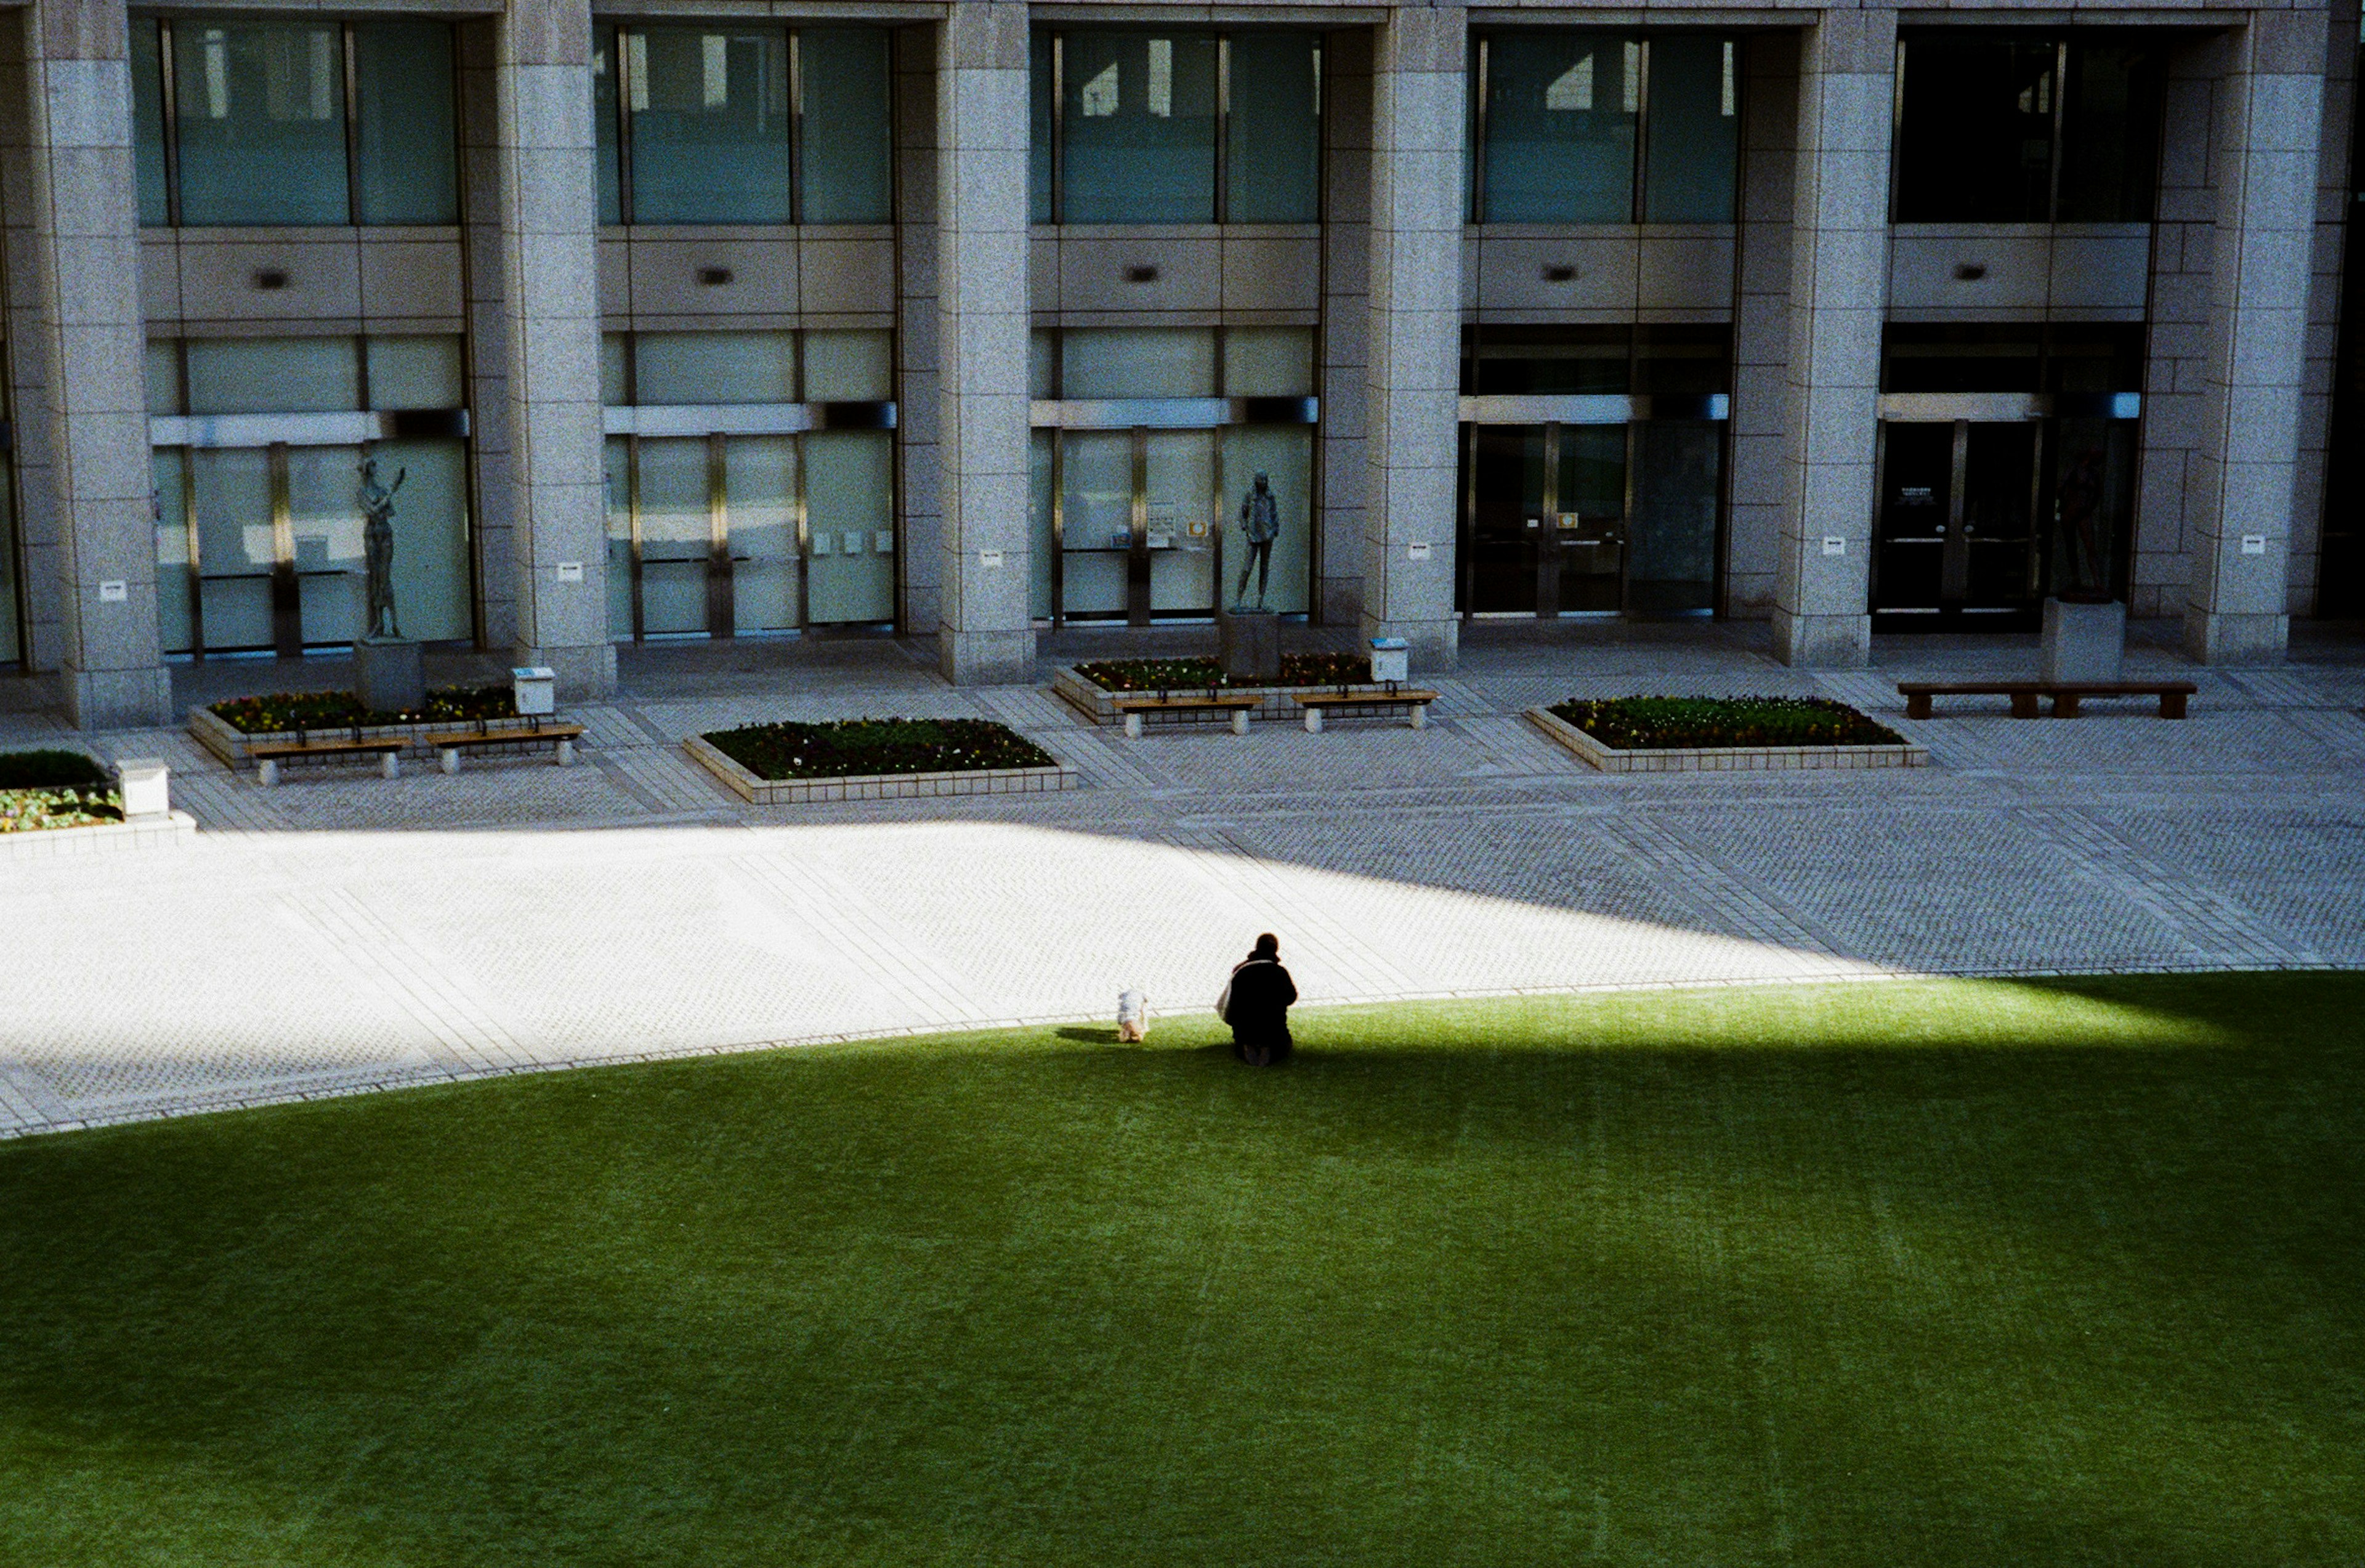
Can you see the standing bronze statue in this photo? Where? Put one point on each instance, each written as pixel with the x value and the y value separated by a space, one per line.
pixel 1260 526
pixel 377 545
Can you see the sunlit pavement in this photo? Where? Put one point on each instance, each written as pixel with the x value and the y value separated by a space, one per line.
pixel 344 932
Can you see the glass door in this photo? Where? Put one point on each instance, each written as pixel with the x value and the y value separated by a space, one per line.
pixel 849 478
pixel 1587 510
pixel 1917 497
pixel 238 552
pixel 1177 488
pixel 1671 547
pixel 1506 501
pixel 1096 523
pixel 1958 535
pixel 675 535
pixel 760 517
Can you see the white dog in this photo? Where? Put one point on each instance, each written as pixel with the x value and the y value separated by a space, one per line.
pixel 1132 1017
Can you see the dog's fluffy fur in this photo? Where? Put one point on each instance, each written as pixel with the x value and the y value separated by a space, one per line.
pixel 1132 1017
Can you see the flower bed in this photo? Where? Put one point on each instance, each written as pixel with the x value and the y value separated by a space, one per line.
pixel 877 759
pixel 284 711
pixel 1669 724
pixel 877 746
pixel 1182 674
pixel 1703 734
pixel 227 729
pixel 37 811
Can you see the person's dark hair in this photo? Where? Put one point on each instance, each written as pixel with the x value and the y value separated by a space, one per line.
pixel 1267 947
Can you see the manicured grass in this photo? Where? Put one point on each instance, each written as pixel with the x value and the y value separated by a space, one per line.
pixel 1927 1273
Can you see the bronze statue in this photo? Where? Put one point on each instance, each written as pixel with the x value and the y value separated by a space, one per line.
pixel 377 545
pixel 1259 526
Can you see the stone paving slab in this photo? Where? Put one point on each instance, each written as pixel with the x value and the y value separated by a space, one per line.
pixel 342 933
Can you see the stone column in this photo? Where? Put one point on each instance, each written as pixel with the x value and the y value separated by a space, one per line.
pixel 2239 507
pixel 1761 324
pixel 1346 343
pixel 1839 282
pixel 91 340
pixel 916 389
pixel 1420 113
pixel 986 633
pixel 549 252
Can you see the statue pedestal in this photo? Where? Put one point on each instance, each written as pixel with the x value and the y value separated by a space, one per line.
pixel 1248 643
pixel 391 679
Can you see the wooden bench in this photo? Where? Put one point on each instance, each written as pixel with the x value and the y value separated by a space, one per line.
pixel 1190 705
pixel 2066 695
pixel 448 746
pixel 269 754
pixel 1343 701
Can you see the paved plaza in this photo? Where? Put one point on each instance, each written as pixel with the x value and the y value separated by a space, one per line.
pixel 342 932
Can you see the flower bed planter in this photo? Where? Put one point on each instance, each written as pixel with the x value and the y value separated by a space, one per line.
pixel 1096 701
pixel 99 838
pixel 1895 753
pixel 231 743
pixel 65 802
pixel 872 743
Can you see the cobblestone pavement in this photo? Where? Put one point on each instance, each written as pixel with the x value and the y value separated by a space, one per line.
pixel 344 931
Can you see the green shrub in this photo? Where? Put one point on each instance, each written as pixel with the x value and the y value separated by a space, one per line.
pixel 1185 675
pixel 30 811
pixel 285 711
pixel 853 747
pixel 1667 723
pixel 50 769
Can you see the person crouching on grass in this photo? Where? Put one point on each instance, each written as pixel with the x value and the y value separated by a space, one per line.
pixel 1256 1004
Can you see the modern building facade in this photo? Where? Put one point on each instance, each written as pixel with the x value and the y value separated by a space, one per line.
pixel 975 318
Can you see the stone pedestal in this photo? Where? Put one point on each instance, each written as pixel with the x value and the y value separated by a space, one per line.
pixel 390 677
pixel 2083 641
pixel 1248 643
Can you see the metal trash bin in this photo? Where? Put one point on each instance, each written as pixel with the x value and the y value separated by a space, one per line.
pixel 535 690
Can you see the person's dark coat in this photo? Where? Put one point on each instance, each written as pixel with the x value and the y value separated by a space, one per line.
pixel 1258 1014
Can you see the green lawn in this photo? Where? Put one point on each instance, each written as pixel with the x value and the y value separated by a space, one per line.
pixel 1916 1273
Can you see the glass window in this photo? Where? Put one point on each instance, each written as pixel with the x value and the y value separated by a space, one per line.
pixel 262 123
pixel 10 645
pixel 849 510
pixel 845 170
pixel 715 367
pixel 430 535
pixel 403 169
pixel 2110 135
pixel 1967 357
pixel 414 373
pixel 1274 128
pixel 1695 120
pixel 1138 362
pixel 168 503
pixel 1975 135
pixel 1269 362
pixel 147 121
pixel 1682 361
pixel 615 379
pixel 1040 88
pixel 1042 365
pixel 603 124
pixel 1283 456
pixel 710 125
pixel 164 376
pixel 1515 360
pixel 1561 109
pixel 1140 130
pixel 855 368
pixel 272 375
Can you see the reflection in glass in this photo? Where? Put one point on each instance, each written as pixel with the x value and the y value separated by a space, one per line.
pixel 262 122
pixel 430 534
pixel 235 550
pixel 1284 454
pixel 710 125
pixel 1695 120
pixel 274 375
pixel 1178 493
pixel 1273 129
pixel 849 519
pixel 1041 544
pixel 760 479
pixel 1096 515
pixel 404 168
pixel 844 172
pixel 1138 362
pixel 147 121
pixel 675 528
pixel 849 366
pixel 603 124
pixel 715 367
pixel 1140 128
pixel 1561 109
pixel 2109 154
pixel 1974 132
pixel 616 461
pixel 325 529
pixel 1671 545
pixel 168 502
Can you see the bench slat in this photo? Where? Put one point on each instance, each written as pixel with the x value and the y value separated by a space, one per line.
pixel 508 737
